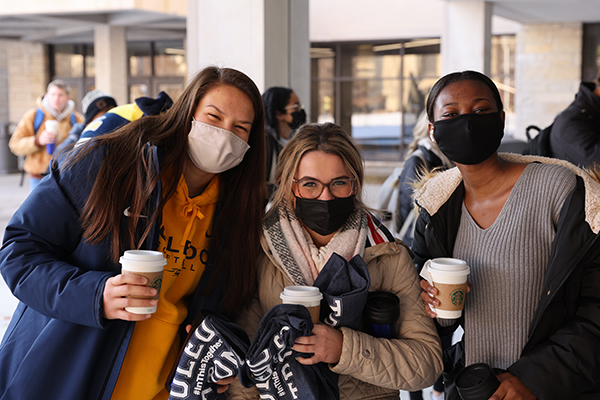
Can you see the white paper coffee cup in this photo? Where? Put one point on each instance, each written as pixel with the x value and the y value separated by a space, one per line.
pixel 147 263
pixel 51 126
pixel 308 296
pixel 449 276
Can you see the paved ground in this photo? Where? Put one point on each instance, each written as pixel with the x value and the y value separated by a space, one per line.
pixel 11 196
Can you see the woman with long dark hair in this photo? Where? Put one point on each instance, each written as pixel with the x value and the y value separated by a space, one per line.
pixel 189 183
pixel 284 114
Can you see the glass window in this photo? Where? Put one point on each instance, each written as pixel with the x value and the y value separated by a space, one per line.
pixel 90 62
pixel 323 89
pixel 379 90
pixel 68 61
pixel 503 68
pixel 138 90
pixel 140 58
pixel 174 90
pixel 169 59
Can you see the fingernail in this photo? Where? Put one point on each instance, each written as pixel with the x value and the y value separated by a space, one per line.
pixel 153 292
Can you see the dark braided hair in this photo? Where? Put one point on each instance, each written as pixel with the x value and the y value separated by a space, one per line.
pixel 275 99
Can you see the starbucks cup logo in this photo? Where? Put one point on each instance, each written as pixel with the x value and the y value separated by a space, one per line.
pixel 449 276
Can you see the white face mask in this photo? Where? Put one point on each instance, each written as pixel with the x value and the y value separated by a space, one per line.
pixel 214 149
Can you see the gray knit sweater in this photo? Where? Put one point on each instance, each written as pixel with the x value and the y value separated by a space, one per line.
pixel 508 262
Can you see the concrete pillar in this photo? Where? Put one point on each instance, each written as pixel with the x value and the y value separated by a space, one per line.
pixel 110 53
pixel 467 36
pixel 266 39
pixel 547 72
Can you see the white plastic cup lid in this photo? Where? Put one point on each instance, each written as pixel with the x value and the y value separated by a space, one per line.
pixel 307 295
pixel 143 260
pixel 450 267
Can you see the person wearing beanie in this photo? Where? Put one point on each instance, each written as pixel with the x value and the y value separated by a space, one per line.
pixel 94 105
pixel 122 115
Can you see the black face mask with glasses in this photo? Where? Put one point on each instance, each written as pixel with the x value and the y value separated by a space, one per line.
pixel 324 216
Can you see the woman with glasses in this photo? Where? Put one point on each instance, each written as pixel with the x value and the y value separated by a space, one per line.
pixel 284 114
pixel 317 211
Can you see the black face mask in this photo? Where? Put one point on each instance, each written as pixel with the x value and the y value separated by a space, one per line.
pixel 324 216
pixel 298 118
pixel 469 138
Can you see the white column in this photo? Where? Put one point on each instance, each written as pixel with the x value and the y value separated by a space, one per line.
pixel 110 54
pixel 467 36
pixel 266 39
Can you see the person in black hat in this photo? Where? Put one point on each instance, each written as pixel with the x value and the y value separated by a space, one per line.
pixel 94 105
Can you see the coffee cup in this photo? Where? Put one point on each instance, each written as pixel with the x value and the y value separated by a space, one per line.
pixel 476 382
pixel 449 276
pixel 147 263
pixel 308 296
pixel 380 314
pixel 51 126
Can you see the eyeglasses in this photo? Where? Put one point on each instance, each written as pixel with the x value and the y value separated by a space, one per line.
pixel 309 188
pixel 295 107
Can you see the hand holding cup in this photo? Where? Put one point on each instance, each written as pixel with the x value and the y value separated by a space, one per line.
pixel 445 287
pixel 127 290
pixel 428 295
pixel 48 135
pixel 133 295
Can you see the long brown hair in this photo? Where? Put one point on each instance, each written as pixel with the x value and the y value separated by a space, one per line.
pixel 127 176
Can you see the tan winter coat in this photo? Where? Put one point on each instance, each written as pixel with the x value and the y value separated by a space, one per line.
pixel 369 368
pixel 23 140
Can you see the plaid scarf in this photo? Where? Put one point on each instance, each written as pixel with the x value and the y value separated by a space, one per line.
pixel 295 251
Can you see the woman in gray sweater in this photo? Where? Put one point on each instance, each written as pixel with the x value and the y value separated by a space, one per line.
pixel 528 229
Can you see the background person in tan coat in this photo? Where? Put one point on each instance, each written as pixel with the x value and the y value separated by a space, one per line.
pixel 320 166
pixel 55 105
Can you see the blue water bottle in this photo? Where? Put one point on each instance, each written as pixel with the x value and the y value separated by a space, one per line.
pixel 380 314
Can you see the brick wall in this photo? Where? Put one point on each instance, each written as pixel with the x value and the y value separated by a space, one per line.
pixel 26 65
pixel 548 72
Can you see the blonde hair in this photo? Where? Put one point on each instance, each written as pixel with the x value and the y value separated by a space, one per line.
pixel 59 83
pixel 328 138
pixel 420 130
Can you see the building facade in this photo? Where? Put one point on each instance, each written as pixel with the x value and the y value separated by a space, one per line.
pixel 366 66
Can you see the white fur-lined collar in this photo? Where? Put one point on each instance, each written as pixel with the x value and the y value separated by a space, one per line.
pixel 437 190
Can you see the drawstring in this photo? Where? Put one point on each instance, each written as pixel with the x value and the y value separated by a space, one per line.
pixel 191 211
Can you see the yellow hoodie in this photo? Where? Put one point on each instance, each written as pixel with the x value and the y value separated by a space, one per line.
pixel 184 240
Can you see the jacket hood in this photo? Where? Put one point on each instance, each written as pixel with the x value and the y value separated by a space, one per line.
pixel 587 100
pixel 436 188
